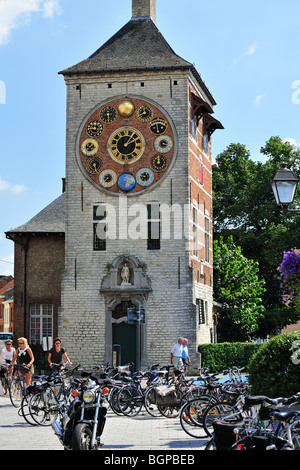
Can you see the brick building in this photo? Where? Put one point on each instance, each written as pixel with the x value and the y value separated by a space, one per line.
pixel 134 226
pixel 39 260
pixel 6 303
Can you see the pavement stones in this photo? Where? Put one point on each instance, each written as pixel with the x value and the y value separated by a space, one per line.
pixel 121 433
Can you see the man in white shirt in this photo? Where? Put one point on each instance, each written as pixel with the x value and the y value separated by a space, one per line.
pixel 176 353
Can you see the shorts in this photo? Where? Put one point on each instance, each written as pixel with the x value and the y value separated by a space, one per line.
pixel 23 370
pixel 177 361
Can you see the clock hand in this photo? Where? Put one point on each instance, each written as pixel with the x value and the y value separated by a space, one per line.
pixel 132 139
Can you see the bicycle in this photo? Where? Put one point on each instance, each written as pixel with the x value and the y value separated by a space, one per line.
pixel 130 398
pixel 45 405
pixel 257 424
pixel 4 381
pixel 17 389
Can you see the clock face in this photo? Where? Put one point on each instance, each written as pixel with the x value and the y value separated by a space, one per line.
pixel 126 145
pixel 163 144
pixel 108 114
pixel 144 113
pixel 144 177
pixel 94 165
pixel 89 147
pixel 94 128
pixel 159 163
pixel 108 178
pixel 158 126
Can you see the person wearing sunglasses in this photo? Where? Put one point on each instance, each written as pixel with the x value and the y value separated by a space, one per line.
pixel 25 359
pixel 7 354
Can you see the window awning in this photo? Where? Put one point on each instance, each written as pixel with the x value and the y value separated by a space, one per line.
pixel 200 107
pixel 210 124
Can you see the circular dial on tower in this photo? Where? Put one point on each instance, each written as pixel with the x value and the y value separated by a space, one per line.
pixel 126 145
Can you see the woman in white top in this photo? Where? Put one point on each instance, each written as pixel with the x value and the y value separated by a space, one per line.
pixel 7 354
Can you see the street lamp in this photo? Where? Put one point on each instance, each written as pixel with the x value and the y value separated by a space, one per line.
pixel 284 186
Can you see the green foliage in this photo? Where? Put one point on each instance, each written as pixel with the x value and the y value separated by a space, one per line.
pixel 245 208
pixel 222 356
pixel 274 368
pixel 238 289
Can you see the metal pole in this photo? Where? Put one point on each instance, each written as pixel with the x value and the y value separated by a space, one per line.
pixel 138 341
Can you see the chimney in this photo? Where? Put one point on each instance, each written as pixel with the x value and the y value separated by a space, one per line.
pixel 144 9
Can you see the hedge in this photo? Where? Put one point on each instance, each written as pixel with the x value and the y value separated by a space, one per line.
pixel 226 355
pixel 274 369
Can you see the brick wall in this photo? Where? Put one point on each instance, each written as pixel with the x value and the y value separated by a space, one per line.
pixel 39 261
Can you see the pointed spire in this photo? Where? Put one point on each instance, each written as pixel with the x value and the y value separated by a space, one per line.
pixel 144 9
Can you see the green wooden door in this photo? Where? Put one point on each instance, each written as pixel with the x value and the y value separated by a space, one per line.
pixel 124 334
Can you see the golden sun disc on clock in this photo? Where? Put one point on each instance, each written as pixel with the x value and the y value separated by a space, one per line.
pixel 126 108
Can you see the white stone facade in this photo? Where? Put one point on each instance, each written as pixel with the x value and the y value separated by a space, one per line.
pixel 84 320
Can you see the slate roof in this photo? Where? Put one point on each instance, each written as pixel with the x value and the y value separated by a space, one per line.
pixel 51 219
pixel 138 45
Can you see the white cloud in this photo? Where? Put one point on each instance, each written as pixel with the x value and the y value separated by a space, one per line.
pixel 251 49
pixel 258 99
pixel 14 13
pixel 291 141
pixel 14 188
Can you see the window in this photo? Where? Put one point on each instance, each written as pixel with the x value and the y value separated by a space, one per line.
pixel 200 311
pixel 153 238
pixel 99 227
pixel 205 143
pixel 41 322
pixel 195 232
pixel 194 127
pixel 206 239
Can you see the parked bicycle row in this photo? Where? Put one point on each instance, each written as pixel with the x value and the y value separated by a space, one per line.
pixel 75 403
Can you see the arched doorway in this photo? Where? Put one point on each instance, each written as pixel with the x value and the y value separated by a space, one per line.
pixel 124 334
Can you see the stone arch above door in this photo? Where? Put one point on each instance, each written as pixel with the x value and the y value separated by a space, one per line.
pixel 126 274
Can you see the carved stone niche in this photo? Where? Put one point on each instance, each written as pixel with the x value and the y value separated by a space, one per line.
pixel 126 273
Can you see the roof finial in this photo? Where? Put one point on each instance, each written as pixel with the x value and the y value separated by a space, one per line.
pixel 144 9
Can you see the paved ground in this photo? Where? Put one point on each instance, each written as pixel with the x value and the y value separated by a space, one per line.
pixel 141 433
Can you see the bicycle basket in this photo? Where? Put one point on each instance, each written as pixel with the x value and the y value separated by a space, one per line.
pixel 223 433
pixel 166 396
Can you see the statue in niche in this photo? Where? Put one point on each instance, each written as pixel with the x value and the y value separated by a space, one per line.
pixel 125 275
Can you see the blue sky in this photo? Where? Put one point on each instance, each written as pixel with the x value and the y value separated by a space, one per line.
pixel 247 53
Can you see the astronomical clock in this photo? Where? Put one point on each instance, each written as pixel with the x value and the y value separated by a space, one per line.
pixel 126 145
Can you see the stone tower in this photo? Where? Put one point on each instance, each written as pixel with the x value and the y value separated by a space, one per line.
pixel 138 199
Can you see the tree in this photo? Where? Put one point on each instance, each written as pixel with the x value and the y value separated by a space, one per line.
pixel 238 288
pixel 245 208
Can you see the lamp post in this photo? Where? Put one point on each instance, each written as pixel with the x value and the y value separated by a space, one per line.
pixel 284 187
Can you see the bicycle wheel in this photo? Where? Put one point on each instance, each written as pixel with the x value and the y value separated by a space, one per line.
pixel 150 403
pixel 16 391
pixel 192 393
pixel 219 410
pixel 191 416
pixel 168 411
pixel 43 408
pixel 4 386
pixel 113 400
pixel 24 410
pixel 129 401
